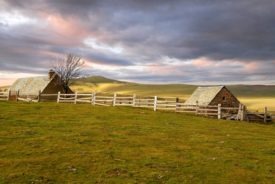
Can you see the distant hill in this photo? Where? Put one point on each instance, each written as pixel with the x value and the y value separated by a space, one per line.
pixel 254 96
pixel 103 84
pixel 253 90
pixel 96 79
pixel 99 83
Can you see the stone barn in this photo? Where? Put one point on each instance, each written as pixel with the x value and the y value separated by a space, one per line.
pixel 33 85
pixel 213 95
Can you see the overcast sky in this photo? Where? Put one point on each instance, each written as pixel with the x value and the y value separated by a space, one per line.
pixel 156 41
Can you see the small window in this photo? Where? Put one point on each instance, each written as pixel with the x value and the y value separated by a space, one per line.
pixel 224 99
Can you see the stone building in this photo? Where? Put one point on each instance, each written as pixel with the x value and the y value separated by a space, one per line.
pixel 213 95
pixel 33 85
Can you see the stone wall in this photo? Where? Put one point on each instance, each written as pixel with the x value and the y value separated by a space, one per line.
pixel 226 99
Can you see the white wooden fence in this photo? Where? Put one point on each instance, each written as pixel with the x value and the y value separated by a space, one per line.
pixel 155 103
pixel 4 96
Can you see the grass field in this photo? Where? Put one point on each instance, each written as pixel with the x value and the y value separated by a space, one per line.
pixel 174 90
pixel 255 97
pixel 177 90
pixel 98 83
pixel 66 143
pixel 258 103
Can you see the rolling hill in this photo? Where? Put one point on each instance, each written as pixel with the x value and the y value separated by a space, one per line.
pixel 103 84
pixel 256 97
pixel 98 83
pixel 96 79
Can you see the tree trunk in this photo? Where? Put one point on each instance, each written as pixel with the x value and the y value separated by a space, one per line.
pixel 66 88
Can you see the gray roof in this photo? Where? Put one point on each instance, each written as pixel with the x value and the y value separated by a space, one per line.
pixel 31 86
pixel 203 95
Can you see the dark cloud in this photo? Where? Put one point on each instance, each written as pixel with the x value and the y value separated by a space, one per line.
pixel 218 30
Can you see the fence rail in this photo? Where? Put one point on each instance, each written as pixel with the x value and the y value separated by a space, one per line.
pixel 167 104
pixel 4 96
pixel 155 103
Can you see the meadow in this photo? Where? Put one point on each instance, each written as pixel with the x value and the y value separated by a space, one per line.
pixel 67 143
pixel 255 97
pixel 258 103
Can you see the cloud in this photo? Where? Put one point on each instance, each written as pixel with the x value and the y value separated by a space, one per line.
pixel 93 43
pixel 153 40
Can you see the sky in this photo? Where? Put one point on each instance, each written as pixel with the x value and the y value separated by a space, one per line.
pixel 156 41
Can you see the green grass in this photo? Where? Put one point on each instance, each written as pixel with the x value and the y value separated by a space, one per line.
pixel 103 84
pixel 174 90
pixel 96 79
pixel 253 90
pixel 259 103
pixel 66 143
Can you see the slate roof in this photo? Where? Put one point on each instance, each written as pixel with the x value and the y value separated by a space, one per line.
pixel 203 95
pixel 31 85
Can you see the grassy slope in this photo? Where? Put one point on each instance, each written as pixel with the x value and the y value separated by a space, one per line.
pixel 57 143
pixel 253 90
pixel 104 85
pixel 99 83
pixel 255 97
pixel 97 79
pixel 109 85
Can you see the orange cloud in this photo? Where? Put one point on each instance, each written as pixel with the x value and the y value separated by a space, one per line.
pixel 250 67
pixel 6 82
pixel 202 63
pixel 65 30
pixel 66 27
pixel 162 69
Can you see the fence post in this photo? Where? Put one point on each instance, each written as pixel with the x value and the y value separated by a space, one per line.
pixel 9 95
pixel 219 111
pixel 155 103
pixel 75 97
pixel 242 112
pixel 39 96
pixel 239 112
pixel 134 100
pixel 114 100
pixel 58 97
pixel 265 114
pixel 197 107
pixel 17 95
pixel 94 98
pixel 177 104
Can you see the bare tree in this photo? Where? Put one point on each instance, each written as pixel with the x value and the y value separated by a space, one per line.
pixel 68 68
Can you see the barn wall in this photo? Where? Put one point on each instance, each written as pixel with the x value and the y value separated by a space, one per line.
pixel 54 87
pixel 230 99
